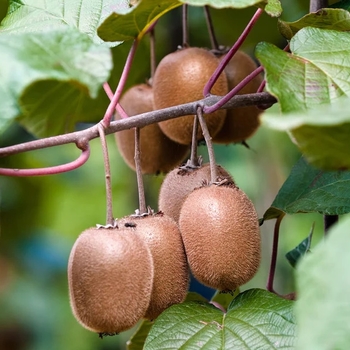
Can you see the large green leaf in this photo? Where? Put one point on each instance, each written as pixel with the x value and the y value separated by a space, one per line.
pixel 128 25
pixel 40 15
pixel 256 319
pixel 323 284
pixel 309 189
pixel 51 78
pixel 316 71
pixel 335 19
pixel 321 133
pixel 137 340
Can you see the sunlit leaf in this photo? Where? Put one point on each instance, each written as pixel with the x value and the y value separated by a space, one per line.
pixel 335 19
pixel 316 71
pixel 256 319
pixel 41 16
pixel 308 189
pixel 323 284
pixel 135 22
pixel 294 255
pixel 51 79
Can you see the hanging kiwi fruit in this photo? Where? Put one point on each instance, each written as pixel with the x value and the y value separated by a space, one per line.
pixel 171 273
pixel 158 153
pixel 180 78
pixel 242 122
pixel 180 182
pixel 221 235
pixel 110 278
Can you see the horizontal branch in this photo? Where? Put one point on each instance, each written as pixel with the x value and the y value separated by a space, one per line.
pixel 81 138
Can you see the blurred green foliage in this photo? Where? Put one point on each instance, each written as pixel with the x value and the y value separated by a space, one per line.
pixel 41 217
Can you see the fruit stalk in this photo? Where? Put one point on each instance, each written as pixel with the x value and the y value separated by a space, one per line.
pixel 213 40
pixel 109 201
pixel 212 162
pixel 185 25
pixel 152 43
pixel 140 187
pixel 276 232
pixel 194 157
pixel 233 50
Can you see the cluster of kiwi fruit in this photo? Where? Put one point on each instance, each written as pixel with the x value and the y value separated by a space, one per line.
pixel 180 78
pixel 140 266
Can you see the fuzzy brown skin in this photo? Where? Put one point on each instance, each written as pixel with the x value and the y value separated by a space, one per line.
pixel 158 152
pixel 240 123
pixel 220 231
pixel 180 78
pixel 178 184
pixel 171 273
pixel 110 278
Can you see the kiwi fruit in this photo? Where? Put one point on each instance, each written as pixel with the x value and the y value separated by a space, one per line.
pixel 180 182
pixel 110 278
pixel 171 273
pixel 158 152
pixel 242 122
pixel 180 78
pixel 221 235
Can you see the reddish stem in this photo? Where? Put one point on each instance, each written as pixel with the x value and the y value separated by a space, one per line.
pixel 84 156
pixel 234 91
pixel 276 232
pixel 119 108
pixel 110 110
pixel 229 55
pixel 185 25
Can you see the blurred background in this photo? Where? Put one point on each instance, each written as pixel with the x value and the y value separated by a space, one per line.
pixel 41 217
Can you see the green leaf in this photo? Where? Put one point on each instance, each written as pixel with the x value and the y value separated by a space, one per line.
pixel 334 19
pixel 317 71
pixel 272 7
pixel 308 189
pixel 135 22
pixel 323 284
pixel 137 340
pixel 301 249
pixel 256 319
pixel 48 77
pixel 40 16
pixel 321 133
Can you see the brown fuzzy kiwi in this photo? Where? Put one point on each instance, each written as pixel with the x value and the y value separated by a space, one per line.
pixel 179 183
pixel 158 152
pixel 171 273
pixel 240 123
pixel 180 78
pixel 110 277
pixel 220 231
